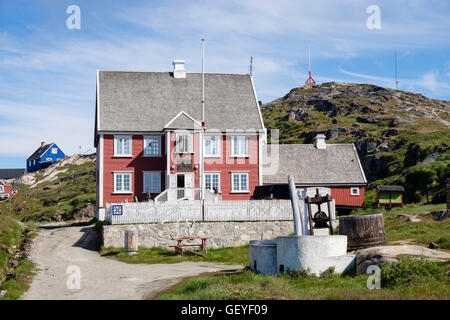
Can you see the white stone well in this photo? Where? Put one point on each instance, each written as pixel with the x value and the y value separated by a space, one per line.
pixel 316 253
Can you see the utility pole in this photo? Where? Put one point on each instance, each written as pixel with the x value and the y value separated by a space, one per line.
pixel 251 66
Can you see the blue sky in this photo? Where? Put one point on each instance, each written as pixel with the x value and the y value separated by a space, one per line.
pixel 48 72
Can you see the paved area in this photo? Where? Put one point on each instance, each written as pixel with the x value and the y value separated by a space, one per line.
pixel 60 252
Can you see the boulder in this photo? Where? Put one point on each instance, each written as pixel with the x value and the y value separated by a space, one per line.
pixel 365 119
pixel 392 254
pixel 86 212
pixel 440 215
pixel 335 132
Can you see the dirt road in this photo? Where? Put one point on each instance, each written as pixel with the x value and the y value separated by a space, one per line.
pixel 59 250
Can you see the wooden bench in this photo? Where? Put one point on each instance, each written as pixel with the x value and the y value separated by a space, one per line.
pixel 181 247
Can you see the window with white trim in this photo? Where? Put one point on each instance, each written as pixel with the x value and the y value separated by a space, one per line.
pixel 239 182
pixel 184 143
pixel 239 146
pixel 354 191
pixel 122 182
pixel 212 181
pixel 212 146
pixel 122 145
pixel 54 150
pixel 152 182
pixel 152 146
pixel 2 190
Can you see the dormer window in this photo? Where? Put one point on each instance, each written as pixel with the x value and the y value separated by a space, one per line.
pixel 184 143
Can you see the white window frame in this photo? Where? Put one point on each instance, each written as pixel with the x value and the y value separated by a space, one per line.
pixel 48 160
pixel 123 173
pixel 54 150
pixel 2 189
pixel 189 141
pixel 353 189
pixel 146 138
pixel 210 173
pixel 121 154
pixel 155 173
pixel 208 153
pixel 233 190
pixel 240 152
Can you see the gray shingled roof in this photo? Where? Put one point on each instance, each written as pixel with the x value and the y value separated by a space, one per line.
pixel 337 164
pixel 391 188
pixel 147 101
pixel 11 173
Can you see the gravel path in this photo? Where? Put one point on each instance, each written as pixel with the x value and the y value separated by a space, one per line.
pixel 56 249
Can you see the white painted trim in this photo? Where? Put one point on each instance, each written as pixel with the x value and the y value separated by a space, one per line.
pixel 351 191
pixel 219 146
pixel 168 156
pixel 220 179
pixel 257 104
pixel 144 145
pixel 180 113
pixel 114 182
pixel 232 148
pixel 359 163
pixel 131 146
pixel 260 160
pixel 232 182
pixel 98 101
pixel 100 175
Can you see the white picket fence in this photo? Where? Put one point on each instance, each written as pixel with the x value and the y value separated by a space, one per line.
pixel 248 210
pixel 227 210
pixel 148 212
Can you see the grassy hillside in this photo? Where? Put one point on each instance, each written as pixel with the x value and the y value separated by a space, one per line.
pixel 402 138
pixel 71 189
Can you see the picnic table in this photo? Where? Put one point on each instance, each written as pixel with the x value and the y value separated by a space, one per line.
pixel 180 246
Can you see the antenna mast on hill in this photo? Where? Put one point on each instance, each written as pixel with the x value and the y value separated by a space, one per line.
pixel 310 79
pixel 396 81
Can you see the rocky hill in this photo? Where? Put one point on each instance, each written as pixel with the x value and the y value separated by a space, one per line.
pixel 63 191
pixel 398 134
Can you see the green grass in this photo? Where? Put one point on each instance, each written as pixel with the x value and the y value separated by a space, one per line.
pixel 229 255
pixel 423 232
pixel 54 198
pixel 11 234
pixel 248 285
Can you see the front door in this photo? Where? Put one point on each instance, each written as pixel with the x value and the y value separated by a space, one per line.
pixel 181 184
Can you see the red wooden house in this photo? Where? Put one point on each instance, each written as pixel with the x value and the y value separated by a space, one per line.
pixel 335 166
pixel 148 135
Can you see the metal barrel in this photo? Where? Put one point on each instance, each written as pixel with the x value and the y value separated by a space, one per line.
pixel 363 231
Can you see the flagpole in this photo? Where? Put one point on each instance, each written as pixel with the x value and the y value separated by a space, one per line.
pixel 202 164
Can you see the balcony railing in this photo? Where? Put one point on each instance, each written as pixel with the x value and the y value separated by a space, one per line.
pixel 180 194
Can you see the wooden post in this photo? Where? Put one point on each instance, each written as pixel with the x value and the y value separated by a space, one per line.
pixel 295 208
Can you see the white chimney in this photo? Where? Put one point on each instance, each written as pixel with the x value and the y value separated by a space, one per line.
pixel 178 69
pixel 320 141
pixel 42 143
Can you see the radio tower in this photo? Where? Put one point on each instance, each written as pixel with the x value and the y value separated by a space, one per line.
pixel 310 80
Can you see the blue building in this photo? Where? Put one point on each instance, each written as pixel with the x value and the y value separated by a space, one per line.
pixel 46 155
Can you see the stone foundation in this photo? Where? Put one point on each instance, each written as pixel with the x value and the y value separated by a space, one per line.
pixel 223 234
